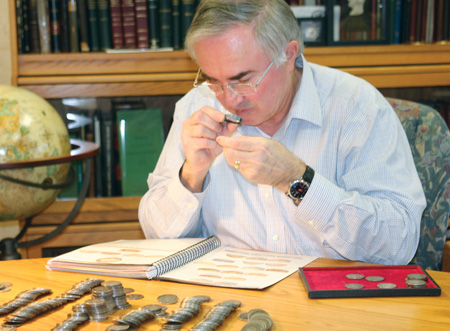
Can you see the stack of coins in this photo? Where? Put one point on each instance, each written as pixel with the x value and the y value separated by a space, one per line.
pixel 22 299
pixel 96 309
pixel 259 320
pixel 416 280
pixel 119 296
pixel 78 317
pixel 216 315
pixel 138 316
pixel 31 310
pixel 105 293
pixel 83 287
pixel 189 308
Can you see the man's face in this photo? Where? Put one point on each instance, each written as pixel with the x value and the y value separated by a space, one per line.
pixel 235 57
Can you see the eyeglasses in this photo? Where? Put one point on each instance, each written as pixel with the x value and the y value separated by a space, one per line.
pixel 241 89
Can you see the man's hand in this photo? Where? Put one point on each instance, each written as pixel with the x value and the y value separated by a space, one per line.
pixel 199 144
pixel 263 161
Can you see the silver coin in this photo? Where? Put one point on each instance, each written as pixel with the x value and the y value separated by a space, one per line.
pixel 243 316
pixel 374 278
pixel 134 296
pixel 127 290
pixel 118 327
pixel 168 299
pixel 354 286
pixel 416 283
pixel 417 277
pixel 354 276
pixel 386 285
pixel 5 284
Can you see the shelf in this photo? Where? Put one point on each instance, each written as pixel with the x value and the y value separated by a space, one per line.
pixel 166 73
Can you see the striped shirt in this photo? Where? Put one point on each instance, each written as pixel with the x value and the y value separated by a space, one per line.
pixel 365 201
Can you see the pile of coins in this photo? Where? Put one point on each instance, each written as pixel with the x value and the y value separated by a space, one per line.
pixel 105 293
pixel 29 311
pixel 22 299
pixel 216 315
pixel 119 296
pixel 97 310
pixel 416 280
pixel 135 318
pixel 189 308
pixel 77 317
pixel 258 319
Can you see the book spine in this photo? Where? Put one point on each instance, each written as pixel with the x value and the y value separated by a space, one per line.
pixel 439 20
pixel 165 15
pixel 413 21
pixel 187 14
pixel 92 19
pixel 104 24
pixel 397 14
pixel 142 39
pixel 83 33
pixel 176 24
pixel 73 25
pixel 44 26
pixel 116 23
pixel 55 25
pixel 129 23
pixel 64 26
pixel 153 23
pixel 35 46
pixel 406 16
pixel 446 22
pixel 184 256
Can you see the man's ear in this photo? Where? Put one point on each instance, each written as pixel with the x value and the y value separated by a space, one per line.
pixel 291 51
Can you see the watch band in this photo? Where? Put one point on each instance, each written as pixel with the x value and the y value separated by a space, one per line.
pixel 308 175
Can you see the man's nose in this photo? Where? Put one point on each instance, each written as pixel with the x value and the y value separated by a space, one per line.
pixel 230 99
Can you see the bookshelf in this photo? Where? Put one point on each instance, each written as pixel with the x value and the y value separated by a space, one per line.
pixel 172 73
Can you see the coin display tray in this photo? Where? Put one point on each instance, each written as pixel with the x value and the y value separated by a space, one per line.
pixel 329 282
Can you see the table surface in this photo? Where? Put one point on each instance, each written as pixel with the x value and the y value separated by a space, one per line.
pixel 286 302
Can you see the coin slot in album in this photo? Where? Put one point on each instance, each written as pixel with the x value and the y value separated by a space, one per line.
pixel 366 281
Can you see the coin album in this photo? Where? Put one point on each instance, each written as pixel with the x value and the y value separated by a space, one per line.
pixel 371 281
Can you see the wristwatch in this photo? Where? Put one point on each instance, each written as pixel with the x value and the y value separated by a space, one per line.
pixel 299 187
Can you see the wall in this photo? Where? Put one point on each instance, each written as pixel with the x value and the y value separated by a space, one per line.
pixel 5 45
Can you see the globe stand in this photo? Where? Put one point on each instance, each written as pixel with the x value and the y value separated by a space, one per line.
pixel 85 150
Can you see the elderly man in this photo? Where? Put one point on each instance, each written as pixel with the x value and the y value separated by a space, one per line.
pixel 320 165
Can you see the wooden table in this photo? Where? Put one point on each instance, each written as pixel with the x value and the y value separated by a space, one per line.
pixel 287 302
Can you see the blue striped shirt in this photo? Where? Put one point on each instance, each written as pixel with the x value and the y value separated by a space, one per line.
pixel 365 202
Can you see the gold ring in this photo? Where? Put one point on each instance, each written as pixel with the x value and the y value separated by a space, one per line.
pixel 237 164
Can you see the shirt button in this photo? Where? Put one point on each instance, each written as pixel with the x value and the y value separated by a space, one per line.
pixel 275 237
pixel 311 223
pixel 190 205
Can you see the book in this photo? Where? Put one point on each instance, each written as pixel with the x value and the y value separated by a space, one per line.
pixel 187 260
pixel 104 24
pixel 93 26
pixel 98 160
pixel 55 25
pixel 116 23
pixel 153 23
pixel 187 14
pixel 129 23
pixel 64 26
pixel 142 40
pixel 176 25
pixel 141 139
pixel 83 33
pixel 73 25
pixel 108 155
pixel 165 21
pixel 44 26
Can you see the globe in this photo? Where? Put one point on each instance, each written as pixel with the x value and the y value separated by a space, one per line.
pixel 30 129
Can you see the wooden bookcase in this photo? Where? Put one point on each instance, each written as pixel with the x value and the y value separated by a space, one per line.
pixel 172 73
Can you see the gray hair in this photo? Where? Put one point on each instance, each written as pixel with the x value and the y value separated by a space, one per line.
pixel 273 20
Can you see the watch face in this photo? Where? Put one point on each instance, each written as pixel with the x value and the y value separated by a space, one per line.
pixel 298 189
